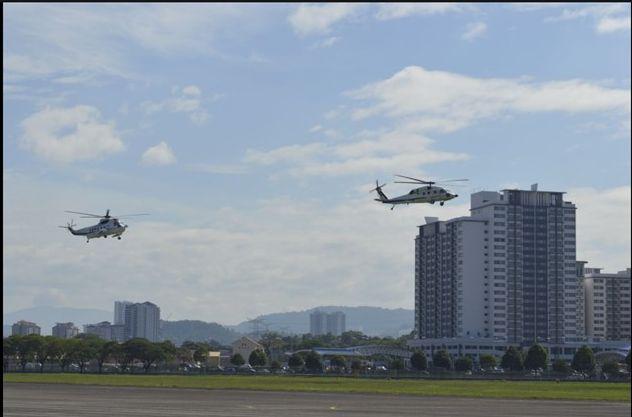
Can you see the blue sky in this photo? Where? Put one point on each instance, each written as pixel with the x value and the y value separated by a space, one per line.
pixel 252 134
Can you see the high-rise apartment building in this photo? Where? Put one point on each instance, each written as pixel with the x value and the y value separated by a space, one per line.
pixel 607 304
pixel 24 328
pixel 65 330
pixel 507 272
pixel 119 311
pixel 318 323
pixel 336 323
pixel 321 323
pixel 142 320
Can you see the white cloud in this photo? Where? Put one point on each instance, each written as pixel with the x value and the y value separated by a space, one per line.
pixel 399 10
pixel 327 42
pixel 310 19
pixel 160 154
pixel 474 30
pixel 105 39
pixel 187 100
pixel 613 24
pixel 192 90
pixel 603 226
pixel 447 101
pixel 64 135
pixel 371 153
pixel 608 17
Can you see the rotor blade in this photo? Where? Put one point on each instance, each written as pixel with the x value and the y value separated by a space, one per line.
pixel 130 215
pixel 87 214
pixel 442 181
pixel 411 178
pixel 407 182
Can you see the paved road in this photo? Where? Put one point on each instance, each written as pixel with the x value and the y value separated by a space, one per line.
pixel 75 400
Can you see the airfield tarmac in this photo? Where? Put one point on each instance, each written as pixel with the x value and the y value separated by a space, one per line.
pixel 26 399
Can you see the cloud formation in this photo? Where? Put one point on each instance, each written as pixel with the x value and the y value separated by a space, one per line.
pixel 160 154
pixel 64 135
pixel 187 100
pixel 445 101
pixel 474 30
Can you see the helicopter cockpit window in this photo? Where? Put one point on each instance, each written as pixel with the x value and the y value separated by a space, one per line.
pixel 103 221
pixel 412 192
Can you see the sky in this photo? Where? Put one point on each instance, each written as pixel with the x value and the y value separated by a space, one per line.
pixel 252 134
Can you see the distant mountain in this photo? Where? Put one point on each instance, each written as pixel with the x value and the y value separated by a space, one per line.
pixel 47 316
pixel 196 331
pixel 373 321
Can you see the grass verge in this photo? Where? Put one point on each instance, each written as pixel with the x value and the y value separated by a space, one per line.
pixel 549 390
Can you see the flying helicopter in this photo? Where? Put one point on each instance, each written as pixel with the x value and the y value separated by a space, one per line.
pixel 428 193
pixel 108 225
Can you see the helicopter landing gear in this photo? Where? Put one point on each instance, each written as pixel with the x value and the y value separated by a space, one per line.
pixel 441 203
pixel 432 202
pixel 119 238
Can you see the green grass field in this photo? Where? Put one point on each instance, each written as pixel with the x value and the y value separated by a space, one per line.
pixel 552 390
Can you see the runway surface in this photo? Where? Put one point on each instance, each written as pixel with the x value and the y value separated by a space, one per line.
pixel 22 399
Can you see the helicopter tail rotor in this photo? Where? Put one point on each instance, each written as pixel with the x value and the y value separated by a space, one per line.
pixel 378 188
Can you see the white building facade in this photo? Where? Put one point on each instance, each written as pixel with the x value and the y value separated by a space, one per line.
pixel 119 311
pixel 25 328
pixel 65 330
pixel 507 272
pixel 607 304
pixel 142 320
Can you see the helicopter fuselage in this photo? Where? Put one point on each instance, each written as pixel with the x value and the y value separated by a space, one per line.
pixel 426 194
pixel 104 228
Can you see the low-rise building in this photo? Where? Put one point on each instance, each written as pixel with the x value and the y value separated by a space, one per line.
pixel 245 346
pixel 65 330
pixel 24 328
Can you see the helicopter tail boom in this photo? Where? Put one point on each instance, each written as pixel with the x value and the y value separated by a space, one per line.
pixel 378 188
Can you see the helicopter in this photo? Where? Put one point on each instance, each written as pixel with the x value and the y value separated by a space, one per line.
pixel 426 194
pixel 108 225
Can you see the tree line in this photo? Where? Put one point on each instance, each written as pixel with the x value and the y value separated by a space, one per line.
pixel 515 360
pixel 84 349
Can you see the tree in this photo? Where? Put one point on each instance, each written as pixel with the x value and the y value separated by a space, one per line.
pixel 237 359
pixel 313 362
pixel 105 351
pixel 50 349
pixel 561 367
pixel 487 361
pixel 26 348
pixel 275 365
pixel 463 364
pixel 397 364
pixel 64 357
pixel 584 360
pixel 296 362
pixel 9 350
pixel 512 360
pixel 441 359
pixel 356 366
pixel 610 368
pixel 152 354
pixel 82 352
pixel 537 358
pixel 338 362
pixel 145 351
pixel 418 361
pixel 257 358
